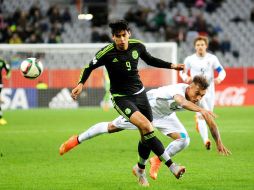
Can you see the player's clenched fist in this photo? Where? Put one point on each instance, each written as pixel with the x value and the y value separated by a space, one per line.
pixel 76 91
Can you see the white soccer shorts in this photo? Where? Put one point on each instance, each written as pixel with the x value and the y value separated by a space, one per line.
pixel 166 125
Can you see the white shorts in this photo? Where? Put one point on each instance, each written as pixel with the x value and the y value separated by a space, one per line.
pixel 166 125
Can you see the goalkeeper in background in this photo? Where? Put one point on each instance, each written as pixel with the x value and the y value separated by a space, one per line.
pixel 3 66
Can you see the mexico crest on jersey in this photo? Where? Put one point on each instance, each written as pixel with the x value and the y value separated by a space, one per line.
pixel 135 54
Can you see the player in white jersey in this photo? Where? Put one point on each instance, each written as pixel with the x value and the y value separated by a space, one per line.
pixel 164 101
pixel 203 63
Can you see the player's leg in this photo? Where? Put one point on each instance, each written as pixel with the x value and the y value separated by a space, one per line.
pixel 173 128
pixel 139 169
pixel 181 141
pixel 2 120
pixel 118 124
pixel 73 141
pixel 144 108
pixel 152 142
pixel 202 130
pixel 143 150
pixel 201 125
pixel 95 130
pixel 128 108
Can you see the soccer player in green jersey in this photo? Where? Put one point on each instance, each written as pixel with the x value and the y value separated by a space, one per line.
pixel 128 93
pixel 3 66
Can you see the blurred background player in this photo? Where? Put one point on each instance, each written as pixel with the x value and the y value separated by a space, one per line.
pixel 3 66
pixel 41 85
pixel 165 101
pixel 106 102
pixel 203 63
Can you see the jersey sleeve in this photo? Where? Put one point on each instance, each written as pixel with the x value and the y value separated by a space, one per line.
pixel 218 67
pixel 216 64
pixel 97 61
pixel 153 61
pixel 6 66
pixel 178 90
pixel 172 91
pixel 168 92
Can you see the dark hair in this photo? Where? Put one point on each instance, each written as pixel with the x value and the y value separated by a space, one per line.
pixel 201 81
pixel 118 25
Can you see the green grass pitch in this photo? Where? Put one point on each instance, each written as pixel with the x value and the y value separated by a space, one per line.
pixel 29 156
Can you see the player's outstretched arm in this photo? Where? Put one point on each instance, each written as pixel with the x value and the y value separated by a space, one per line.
pixel 156 62
pixel 188 105
pixel 76 91
pixel 209 118
pixel 215 133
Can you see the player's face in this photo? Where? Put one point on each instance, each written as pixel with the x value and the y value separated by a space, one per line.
pixel 200 47
pixel 194 93
pixel 121 39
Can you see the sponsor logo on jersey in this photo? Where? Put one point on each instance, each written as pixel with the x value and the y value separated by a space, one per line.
pixel 135 54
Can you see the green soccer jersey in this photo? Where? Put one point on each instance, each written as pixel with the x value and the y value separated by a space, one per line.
pixel 122 66
pixel 3 65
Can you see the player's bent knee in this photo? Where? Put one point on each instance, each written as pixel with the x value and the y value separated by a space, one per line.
pixel 141 122
pixel 185 140
pixel 112 128
pixel 146 127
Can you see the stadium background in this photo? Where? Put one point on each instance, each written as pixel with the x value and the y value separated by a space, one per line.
pixel 228 24
pixel 29 142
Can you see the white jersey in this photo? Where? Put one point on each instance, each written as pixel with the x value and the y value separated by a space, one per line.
pixel 162 99
pixel 163 108
pixel 204 66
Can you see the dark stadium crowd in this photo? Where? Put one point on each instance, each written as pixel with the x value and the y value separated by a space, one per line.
pixel 178 26
pixel 156 17
pixel 33 26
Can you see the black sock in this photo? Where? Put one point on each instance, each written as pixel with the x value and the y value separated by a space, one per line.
pixel 144 152
pixel 169 162
pixel 154 143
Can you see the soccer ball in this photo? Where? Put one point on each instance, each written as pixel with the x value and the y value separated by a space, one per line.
pixel 31 68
